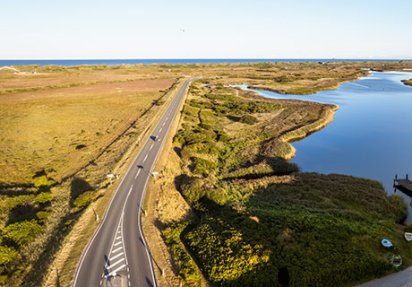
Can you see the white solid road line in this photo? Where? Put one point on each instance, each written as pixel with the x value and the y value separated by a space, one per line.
pixel 117 256
pixel 137 173
pixel 118 237
pixel 117 243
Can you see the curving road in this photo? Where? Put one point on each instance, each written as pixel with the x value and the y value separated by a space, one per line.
pixel 399 279
pixel 118 254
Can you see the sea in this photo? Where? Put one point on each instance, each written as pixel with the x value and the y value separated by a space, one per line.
pixel 114 62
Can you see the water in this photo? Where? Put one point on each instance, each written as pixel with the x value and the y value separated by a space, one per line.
pixel 62 62
pixel 371 133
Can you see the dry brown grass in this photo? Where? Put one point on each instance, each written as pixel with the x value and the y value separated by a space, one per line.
pixel 45 129
pixel 408 82
pixel 66 260
pixel 85 131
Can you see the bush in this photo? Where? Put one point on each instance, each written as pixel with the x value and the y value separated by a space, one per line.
pixel 186 268
pixel 42 181
pixel 43 198
pixel 84 199
pixel 193 189
pixel 248 119
pixel 7 255
pixel 22 232
pixel 203 167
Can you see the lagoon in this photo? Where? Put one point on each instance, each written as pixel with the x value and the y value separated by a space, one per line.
pixel 371 134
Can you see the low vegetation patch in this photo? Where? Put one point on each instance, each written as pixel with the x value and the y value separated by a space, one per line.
pixel 259 221
pixel 408 82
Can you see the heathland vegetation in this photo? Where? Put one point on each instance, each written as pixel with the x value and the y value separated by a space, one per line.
pixel 67 133
pixel 63 130
pixel 254 219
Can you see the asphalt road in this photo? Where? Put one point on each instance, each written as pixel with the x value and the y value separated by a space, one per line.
pixel 400 279
pixel 118 255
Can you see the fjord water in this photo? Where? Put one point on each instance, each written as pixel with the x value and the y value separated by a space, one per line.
pixel 371 134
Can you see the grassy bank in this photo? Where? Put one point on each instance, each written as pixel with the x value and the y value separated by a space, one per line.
pixel 408 82
pixel 258 222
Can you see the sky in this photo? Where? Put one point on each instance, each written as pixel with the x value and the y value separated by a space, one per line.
pixel 155 29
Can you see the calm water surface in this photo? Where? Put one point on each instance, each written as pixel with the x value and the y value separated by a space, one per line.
pixel 62 62
pixel 371 135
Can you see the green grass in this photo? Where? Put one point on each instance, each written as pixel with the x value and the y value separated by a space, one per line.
pixel 256 227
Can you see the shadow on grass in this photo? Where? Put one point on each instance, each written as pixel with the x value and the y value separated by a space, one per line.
pixel 77 187
pixel 306 230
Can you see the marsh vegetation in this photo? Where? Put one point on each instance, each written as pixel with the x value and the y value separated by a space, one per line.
pixel 65 128
pixel 257 221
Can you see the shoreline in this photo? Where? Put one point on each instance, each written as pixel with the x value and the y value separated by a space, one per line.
pixel 309 91
pixel 327 116
pixel 305 131
pixel 407 82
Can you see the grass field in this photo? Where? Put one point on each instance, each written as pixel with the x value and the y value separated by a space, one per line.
pixel 258 221
pixel 63 130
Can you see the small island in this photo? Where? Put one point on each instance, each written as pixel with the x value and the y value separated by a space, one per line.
pixel 407 82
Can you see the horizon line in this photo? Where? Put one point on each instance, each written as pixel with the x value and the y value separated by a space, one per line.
pixel 245 58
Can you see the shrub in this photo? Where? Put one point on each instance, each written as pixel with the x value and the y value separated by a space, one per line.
pixel 203 167
pixel 22 232
pixel 8 258
pixel 248 119
pixel 8 255
pixel 42 215
pixel 193 189
pixel 43 198
pixel 42 181
pixel 84 199
pixel 186 268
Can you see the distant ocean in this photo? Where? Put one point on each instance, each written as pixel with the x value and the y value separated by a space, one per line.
pixel 172 61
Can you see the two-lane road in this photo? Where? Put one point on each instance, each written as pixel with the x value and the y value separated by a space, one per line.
pixel 118 254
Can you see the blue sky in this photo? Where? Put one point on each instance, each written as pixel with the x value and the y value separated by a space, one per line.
pixel 74 29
